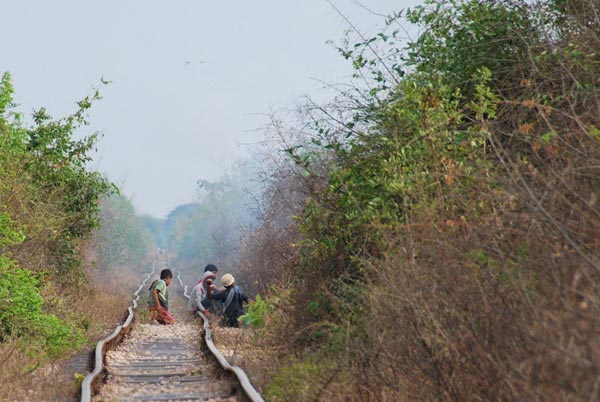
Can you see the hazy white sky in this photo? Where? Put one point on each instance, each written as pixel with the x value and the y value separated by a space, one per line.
pixel 191 79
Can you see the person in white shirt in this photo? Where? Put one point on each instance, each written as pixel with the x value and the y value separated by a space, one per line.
pixel 198 298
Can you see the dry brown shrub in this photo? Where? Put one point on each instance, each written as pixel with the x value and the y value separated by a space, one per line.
pixel 504 306
pixel 479 314
pixel 98 304
pixel 495 302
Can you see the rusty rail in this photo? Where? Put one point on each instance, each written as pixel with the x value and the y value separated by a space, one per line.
pixel 246 386
pixel 92 380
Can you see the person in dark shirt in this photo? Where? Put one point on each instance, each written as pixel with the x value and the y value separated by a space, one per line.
pixel 232 298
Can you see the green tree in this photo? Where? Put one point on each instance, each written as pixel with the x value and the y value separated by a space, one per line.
pixel 48 205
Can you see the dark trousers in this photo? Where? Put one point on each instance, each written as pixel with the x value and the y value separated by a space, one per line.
pixel 232 321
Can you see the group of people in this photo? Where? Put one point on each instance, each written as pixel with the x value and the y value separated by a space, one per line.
pixel 205 298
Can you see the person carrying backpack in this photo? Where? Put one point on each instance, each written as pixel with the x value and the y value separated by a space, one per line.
pixel 232 298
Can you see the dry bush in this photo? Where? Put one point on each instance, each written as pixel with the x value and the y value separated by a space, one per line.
pixel 98 305
pixel 502 306
pixel 269 254
pixel 488 291
pixel 496 311
pixel 22 380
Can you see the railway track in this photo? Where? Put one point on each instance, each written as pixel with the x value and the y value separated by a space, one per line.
pixel 153 362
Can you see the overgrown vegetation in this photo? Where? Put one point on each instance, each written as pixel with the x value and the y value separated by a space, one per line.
pixel 431 234
pixel 55 286
pixel 445 245
pixel 48 202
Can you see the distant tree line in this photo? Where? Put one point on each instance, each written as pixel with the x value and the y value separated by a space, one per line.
pixel 209 229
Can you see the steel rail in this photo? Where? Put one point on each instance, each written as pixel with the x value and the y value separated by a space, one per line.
pixel 247 388
pixel 93 378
